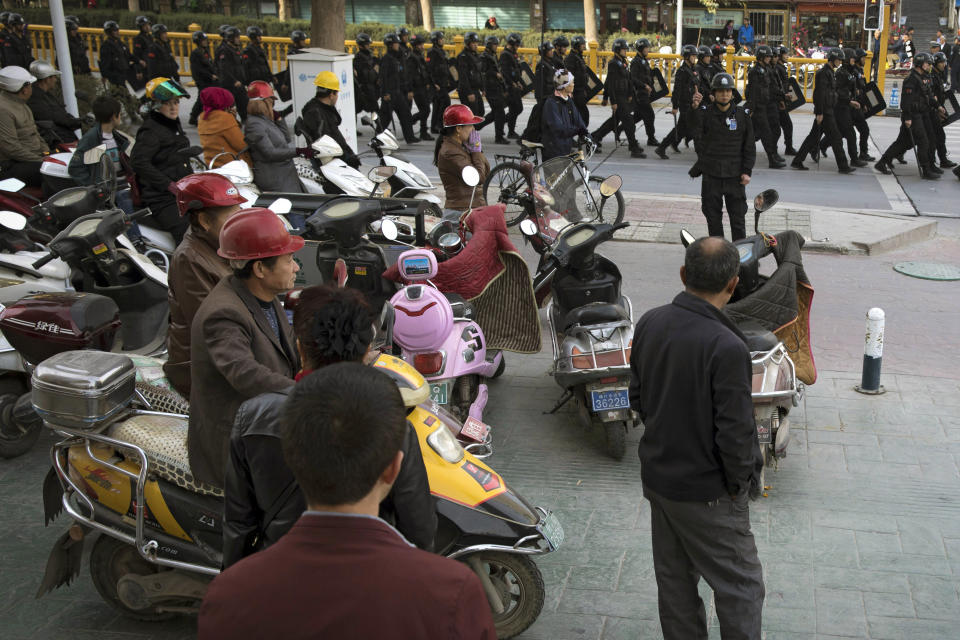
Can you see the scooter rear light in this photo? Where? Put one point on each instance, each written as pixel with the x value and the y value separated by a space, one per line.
pixel 609 380
pixel 428 363
pixel 613 358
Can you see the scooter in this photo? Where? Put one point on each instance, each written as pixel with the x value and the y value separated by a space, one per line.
pixel 408 181
pixel 123 471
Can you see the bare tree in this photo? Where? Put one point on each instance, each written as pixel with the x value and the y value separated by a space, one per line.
pixel 426 8
pixel 133 6
pixel 412 12
pixel 328 28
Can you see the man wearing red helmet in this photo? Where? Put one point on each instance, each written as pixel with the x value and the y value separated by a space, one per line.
pixel 208 200
pixel 241 344
pixel 460 147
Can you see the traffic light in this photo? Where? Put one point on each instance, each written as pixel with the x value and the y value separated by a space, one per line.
pixel 872 14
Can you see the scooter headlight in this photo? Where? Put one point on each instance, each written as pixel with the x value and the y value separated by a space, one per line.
pixel 446 446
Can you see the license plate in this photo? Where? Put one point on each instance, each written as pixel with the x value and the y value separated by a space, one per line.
pixel 763 434
pixel 610 399
pixel 440 392
pixel 552 530
pixel 475 430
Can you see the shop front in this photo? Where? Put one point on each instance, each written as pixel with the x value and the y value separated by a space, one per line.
pixel 837 24
pixel 702 27
pixel 640 17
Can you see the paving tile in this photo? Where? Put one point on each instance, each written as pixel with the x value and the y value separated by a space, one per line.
pixel 882 542
pixel 887 628
pixel 782 619
pixel 631 628
pixel 835 578
pixel 564 626
pixel 920 538
pixel 904 563
pixel 789 585
pixel 840 613
pixel 934 598
pixel 888 604
pixel 619 605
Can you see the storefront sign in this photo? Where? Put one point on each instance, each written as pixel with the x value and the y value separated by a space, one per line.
pixel 706 20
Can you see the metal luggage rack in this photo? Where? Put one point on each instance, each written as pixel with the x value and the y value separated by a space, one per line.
pixel 776 356
pixel 618 326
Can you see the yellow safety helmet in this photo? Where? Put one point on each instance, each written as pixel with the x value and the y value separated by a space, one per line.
pixel 162 89
pixel 327 80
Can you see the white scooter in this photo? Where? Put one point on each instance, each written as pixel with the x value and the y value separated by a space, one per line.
pixel 409 181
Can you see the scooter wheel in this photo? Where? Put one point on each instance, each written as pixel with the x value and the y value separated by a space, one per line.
pixel 517 580
pixel 110 560
pixel 500 368
pixel 616 439
pixel 21 425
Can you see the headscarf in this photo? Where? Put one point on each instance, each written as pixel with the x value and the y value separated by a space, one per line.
pixel 562 79
pixel 213 98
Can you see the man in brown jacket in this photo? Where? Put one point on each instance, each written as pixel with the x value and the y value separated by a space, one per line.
pixel 209 200
pixel 21 147
pixel 241 344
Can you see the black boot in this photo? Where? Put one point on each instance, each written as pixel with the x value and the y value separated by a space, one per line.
pixel 947 164
pixel 501 140
pixel 637 152
pixel 884 166
pixel 901 160
pixel 935 169
pixel 425 136
pixel 796 164
pixel 661 152
pixel 866 157
pixel 652 142
pixel 790 151
pixel 956 172
pixel 777 164
pixel 847 169
pixel 926 174
pixel 857 162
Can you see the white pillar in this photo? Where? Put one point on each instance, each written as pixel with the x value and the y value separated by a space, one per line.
pixel 679 26
pixel 63 56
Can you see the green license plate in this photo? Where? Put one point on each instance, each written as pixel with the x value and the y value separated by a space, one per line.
pixel 552 530
pixel 440 392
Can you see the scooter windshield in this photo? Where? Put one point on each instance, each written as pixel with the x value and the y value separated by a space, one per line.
pixel 562 197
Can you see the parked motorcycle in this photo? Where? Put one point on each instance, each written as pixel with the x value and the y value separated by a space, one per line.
pixel 122 470
pixel 408 181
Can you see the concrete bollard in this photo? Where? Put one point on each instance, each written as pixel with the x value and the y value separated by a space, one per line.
pixel 872 354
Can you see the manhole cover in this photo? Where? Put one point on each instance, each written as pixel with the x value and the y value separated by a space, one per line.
pixel 928 270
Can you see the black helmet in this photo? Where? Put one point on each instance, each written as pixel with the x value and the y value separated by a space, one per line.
pixel 157 29
pixel 835 54
pixel 231 32
pixel 860 54
pixel 198 37
pixel 222 29
pixel 142 20
pixel 578 41
pixel 4 15
pixel 849 54
pixel 717 50
pixel 763 51
pixel 254 32
pixel 561 41
pixel 110 25
pixel 72 24
pixel 640 44
pixel 391 38
pixel 545 46
pixel 619 45
pixel 491 41
pixel 515 39
pixel 418 39
pixel 703 51
pixel 722 81
pixel 299 36
pixel 471 36
pixel 14 19
pixel 922 58
pixel 364 38
pixel 939 57
pixel 688 50
pixel 434 36
pixel 403 31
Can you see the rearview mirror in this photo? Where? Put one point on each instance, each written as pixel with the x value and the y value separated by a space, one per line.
pixel 280 206
pixel 381 174
pixel 389 229
pixel 12 220
pixel 765 200
pixel 686 238
pixel 12 185
pixel 470 176
pixel 528 227
pixel 610 185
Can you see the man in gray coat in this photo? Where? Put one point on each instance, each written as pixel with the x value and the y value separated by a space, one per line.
pixel 241 344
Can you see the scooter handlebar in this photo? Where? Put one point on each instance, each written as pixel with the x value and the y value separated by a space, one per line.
pixel 44 260
pixel 138 215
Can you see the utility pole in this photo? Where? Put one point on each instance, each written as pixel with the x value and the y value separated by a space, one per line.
pixel 63 56
pixel 679 26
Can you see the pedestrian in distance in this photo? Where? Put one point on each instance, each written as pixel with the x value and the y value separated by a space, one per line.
pixel 141 45
pixel 512 76
pixel 117 66
pixel 618 89
pixel 255 59
pixel 700 460
pixel 783 116
pixel 825 122
pixel 159 56
pixel 759 100
pixel 940 81
pixel 231 69
pixel 745 35
pixel 365 70
pixel 847 94
pixel 542 89
pixel 859 118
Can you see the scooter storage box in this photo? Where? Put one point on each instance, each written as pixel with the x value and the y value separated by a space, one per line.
pixel 45 324
pixel 81 389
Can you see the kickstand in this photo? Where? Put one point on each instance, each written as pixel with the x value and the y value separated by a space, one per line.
pixel 564 399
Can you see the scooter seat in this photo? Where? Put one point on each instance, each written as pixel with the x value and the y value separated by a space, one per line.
pixel 531 145
pixel 594 313
pixel 758 338
pixel 164 440
pixel 461 308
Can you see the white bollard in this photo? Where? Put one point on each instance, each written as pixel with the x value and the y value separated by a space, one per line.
pixel 872 354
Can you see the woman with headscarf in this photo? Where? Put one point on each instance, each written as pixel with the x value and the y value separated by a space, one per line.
pixel 271 147
pixel 562 121
pixel 219 130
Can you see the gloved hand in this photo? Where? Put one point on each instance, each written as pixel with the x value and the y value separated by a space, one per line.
pixel 473 143
pixel 306 152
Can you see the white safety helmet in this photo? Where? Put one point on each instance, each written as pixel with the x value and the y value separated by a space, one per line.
pixel 43 69
pixel 13 78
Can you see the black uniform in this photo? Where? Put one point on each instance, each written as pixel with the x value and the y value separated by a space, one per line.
pixel 824 100
pixel 157 165
pixel 231 70
pixel 931 118
pixel 160 61
pixel 846 91
pixel 438 65
pixel 758 100
pixel 914 105
pixel 685 82
pixel 256 63
pixel 16 50
pixel 394 86
pixel 470 81
pixel 422 87
pixel 939 81
pixel 510 68
pixel 78 55
pixel 115 61
pixel 47 107
pixel 365 74
pixel 141 45
pixel 321 119
pixel 494 87
pixel 201 66
pixel 575 64
pixel 542 89
pixel 642 77
pixel 786 124
pixel 859 120
pixel 726 150
pixel 618 89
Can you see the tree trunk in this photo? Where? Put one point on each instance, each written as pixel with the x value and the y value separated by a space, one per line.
pixel 590 21
pixel 133 6
pixel 412 12
pixel 536 14
pixel 426 8
pixel 328 27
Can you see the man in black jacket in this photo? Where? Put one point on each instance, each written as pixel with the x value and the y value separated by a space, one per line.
pixel 255 58
pixel 940 81
pixel 231 70
pixel 365 75
pixel 438 65
pixel 759 98
pixel 914 107
pixel 859 119
pixel 395 90
pixel 825 123
pixel 16 47
pixel 575 64
pixel 618 90
pixel 202 69
pixel 160 60
pixel 494 87
pixel 847 95
pixel 141 45
pixel 512 76
pixel 542 89
pixel 321 118
pixel 783 116
pixel 78 50
pixel 420 81
pixel 470 74
pixel 262 498
pixel 45 104
pixel 726 153
pixel 116 66
pixel 700 459
pixel 642 76
pixel 686 83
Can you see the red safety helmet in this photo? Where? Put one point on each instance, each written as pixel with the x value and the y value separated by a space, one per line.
pixel 254 234
pixel 459 114
pixel 203 190
pixel 259 89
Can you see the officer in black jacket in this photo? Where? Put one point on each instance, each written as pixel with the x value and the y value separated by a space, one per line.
pixel 395 90
pixel 825 123
pixel 914 106
pixel 365 69
pixel 141 45
pixel 759 98
pixel 116 66
pixel 494 88
pixel 783 77
pixel 202 69
pixel 78 50
pixel 255 58
pixel 940 78
pixel 513 78
pixel 686 82
pixel 642 76
pixel 438 65
pixel 618 90
pixel 575 64
pixel 726 153
pixel 160 60
pixel 420 81
pixel 404 36
pixel 932 116
pixel 859 119
pixel 231 69
pixel 846 104
pixel 470 74
pixel 705 68
pixel 16 47
pixel 542 89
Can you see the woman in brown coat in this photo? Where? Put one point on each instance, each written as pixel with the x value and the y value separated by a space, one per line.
pixel 219 130
pixel 459 147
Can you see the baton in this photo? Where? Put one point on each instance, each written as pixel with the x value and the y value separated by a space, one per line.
pixel 913 143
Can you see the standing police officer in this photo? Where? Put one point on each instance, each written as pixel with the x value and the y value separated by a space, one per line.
pixel 404 35
pixel 726 152
pixel 439 67
pixel 618 90
pixel 470 72
pixel 642 77
pixel 365 75
pixel 17 51
pixel 686 82
pixel 420 81
pixel 859 119
pixel 760 89
pixel 395 90
pixel 783 77
pixel 825 123
pixel 913 106
pixel 255 58
pixel 494 88
pixel 510 68
pixel 575 64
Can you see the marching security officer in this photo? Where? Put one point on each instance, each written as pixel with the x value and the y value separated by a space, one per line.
pixel 543 88
pixel 726 152
pixel 395 90
pixel 686 82
pixel 201 66
pixel 914 105
pixel 230 69
pixel 298 42
pixel 439 67
pixel 575 64
pixel 642 76
pixel 931 116
pixel 825 123
pixel 859 119
pixel 618 90
pixel 141 45
pixel 704 69
pixel 17 51
pixel 783 77
pixel 365 75
pixel 940 76
pixel 117 66
pixel 470 72
pixel 560 45
pixel 716 59
pixel 404 34
pixel 512 76
pixel 494 88
pixel 760 90
pixel 255 58
pixel 78 50
pixel 420 81
pixel 846 103
pixel 160 60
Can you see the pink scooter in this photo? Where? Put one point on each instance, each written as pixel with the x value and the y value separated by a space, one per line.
pixel 438 337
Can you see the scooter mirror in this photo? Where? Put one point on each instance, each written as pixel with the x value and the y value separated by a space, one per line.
pixel 12 220
pixel 686 237
pixel 381 174
pixel 470 176
pixel 528 227
pixel 389 229
pixel 280 206
pixel 12 185
pixel 610 185
pixel 766 200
